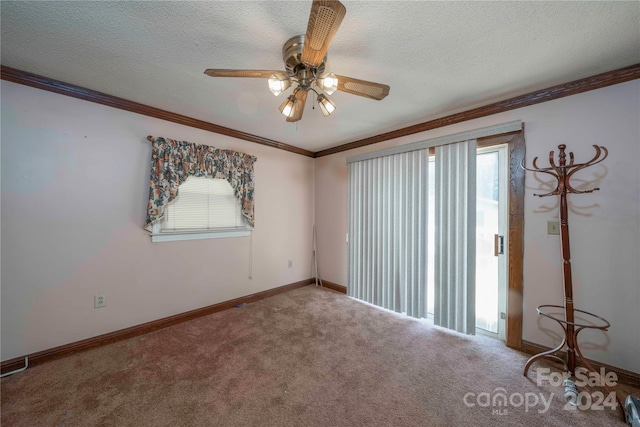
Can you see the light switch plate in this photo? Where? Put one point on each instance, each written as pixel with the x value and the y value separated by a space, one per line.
pixel 553 226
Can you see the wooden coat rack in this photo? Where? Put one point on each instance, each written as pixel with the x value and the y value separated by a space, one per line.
pixel 563 172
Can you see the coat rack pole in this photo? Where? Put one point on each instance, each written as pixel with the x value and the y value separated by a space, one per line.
pixel 563 172
pixel 566 263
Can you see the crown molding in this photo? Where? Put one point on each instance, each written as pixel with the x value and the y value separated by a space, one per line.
pixel 598 81
pixel 45 83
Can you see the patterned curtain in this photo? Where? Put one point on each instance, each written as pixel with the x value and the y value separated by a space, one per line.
pixel 172 162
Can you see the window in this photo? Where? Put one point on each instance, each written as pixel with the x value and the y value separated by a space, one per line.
pixel 204 208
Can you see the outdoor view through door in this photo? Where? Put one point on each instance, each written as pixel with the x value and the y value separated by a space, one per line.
pixel 491 240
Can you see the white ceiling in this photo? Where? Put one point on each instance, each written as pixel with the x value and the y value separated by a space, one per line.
pixel 438 57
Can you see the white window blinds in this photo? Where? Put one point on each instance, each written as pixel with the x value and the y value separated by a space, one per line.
pixel 203 204
pixel 205 208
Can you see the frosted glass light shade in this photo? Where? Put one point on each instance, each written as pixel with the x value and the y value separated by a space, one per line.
pixel 286 108
pixel 278 83
pixel 327 106
pixel 329 83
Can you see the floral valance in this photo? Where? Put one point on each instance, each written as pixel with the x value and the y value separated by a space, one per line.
pixel 172 162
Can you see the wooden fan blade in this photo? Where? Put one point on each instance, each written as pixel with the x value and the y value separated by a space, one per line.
pixel 214 72
pixel 364 88
pixel 324 21
pixel 298 107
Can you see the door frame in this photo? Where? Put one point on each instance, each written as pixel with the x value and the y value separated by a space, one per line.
pixel 515 259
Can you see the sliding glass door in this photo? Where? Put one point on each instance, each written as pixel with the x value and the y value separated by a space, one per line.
pixel 491 240
pixel 491 244
pixel 428 232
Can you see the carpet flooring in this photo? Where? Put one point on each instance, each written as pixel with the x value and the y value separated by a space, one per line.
pixel 308 357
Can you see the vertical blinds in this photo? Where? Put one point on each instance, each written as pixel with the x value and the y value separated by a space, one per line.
pixel 388 208
pixel 455 237
pixel 388 233
pixel 203 204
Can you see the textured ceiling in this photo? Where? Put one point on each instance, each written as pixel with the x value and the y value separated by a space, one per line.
pixel 438 57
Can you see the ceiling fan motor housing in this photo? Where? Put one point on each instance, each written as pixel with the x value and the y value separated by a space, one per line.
pixel 292 57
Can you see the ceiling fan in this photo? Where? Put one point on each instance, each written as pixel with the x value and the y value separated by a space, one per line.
pixel 304 58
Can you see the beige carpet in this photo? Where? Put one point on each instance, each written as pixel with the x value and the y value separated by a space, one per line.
pixel 309 357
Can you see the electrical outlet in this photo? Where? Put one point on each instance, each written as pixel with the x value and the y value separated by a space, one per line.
pixel 99 300
pixel 553 226
pixel 290 263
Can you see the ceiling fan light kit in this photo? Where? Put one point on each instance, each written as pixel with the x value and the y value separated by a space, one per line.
pixel 305 58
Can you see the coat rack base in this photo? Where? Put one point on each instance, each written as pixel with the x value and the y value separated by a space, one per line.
pixel 571 331
pixel 570 342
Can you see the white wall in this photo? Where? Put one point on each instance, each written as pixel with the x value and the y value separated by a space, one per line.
pixel 604 226
pixel 74 193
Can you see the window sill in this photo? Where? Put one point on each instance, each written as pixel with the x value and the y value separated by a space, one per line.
pixel 174 237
